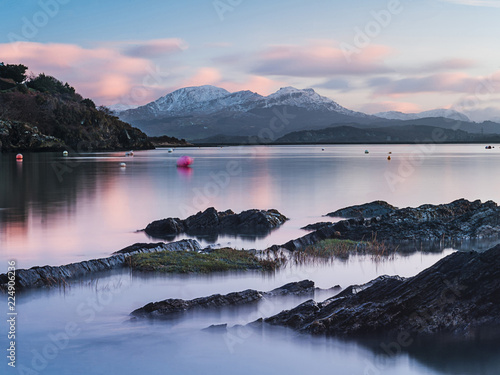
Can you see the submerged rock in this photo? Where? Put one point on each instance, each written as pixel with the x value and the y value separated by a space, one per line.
pixel 212 221
pixel 457 220
pixel 459 295
pixel 172 305
pixel 52 276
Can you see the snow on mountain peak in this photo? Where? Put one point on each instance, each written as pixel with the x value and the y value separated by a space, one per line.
pixel 305 98
pixel 210 99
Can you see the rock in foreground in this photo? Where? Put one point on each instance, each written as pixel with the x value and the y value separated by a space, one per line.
pixel 459 295
pixel 48 276
pixel 171 306
pixel 212 221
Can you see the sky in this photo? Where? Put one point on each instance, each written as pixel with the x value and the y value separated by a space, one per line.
pixel 367 55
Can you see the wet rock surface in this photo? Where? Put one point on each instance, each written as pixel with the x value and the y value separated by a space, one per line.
pixel 47 276
pixel 171 306
pixel 458 296
pixel 212 221
pixel 458 220
pixel 372 209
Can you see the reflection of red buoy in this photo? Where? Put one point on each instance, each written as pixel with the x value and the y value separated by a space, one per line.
pixel 19 157
pixel 185 171
pixel 184 161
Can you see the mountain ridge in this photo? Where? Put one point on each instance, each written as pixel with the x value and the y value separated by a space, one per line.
pixel 207 112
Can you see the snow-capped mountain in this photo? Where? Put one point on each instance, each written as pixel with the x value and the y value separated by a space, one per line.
pixel 446 113
pixel 208 112
pixel 307 98
pixel 205 100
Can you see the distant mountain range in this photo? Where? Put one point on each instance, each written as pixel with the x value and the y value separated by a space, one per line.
pixel 208 114
pixel 446 113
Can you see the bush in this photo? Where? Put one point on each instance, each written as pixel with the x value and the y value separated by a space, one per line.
pixel 88 102
pixel 49 84
pixel 15 72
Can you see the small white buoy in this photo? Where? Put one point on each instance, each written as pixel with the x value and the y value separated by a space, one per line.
pixel 170 150
pixel 65 153
pixel 367 152
pixel 19 157
pixel 123 165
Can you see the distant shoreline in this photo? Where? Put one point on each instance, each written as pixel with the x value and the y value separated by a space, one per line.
pixel 339 143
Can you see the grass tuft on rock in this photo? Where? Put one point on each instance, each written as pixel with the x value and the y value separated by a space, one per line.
pixel 342 249
pixel 225 259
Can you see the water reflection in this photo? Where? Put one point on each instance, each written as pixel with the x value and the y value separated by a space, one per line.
pixel 97 207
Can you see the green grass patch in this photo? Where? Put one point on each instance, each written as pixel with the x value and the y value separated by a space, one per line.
pixel 225 259
pixel 341 248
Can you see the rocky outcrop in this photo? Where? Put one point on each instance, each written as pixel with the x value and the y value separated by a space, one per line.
pixel 458 220
pixel 317 226
pixel 172 306
pixel 373 209
pixel 47 276
pixel 18 136
pixel 212 221
pixel 459 296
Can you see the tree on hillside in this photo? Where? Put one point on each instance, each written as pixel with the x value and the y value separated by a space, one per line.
pixel 15 72
pixel 49 84
pixel 88 102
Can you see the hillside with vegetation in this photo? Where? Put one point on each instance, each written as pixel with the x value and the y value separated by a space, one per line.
pixel 42 113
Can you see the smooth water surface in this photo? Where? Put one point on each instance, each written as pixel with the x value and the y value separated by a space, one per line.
pixel 56 210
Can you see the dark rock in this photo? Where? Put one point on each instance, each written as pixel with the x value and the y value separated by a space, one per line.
pixel 19 136
pixel 169 306
pixel 172 306
pixel 458 220
pixel 322 233
pixel 459 296
pixel 165 227
pixel 47 276
pixel 138 247
pixel 373 209
pixel 317 226
pixel 216 328
pixel 295 288
pixel 212 221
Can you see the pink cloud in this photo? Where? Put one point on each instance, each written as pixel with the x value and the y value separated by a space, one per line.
pixel 212 76
pixel 103 74
pixel 258 84
pixel 204 76
pixel 319 60
pixel 405 107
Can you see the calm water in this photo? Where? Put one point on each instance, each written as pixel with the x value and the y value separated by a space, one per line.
pixel 56 210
